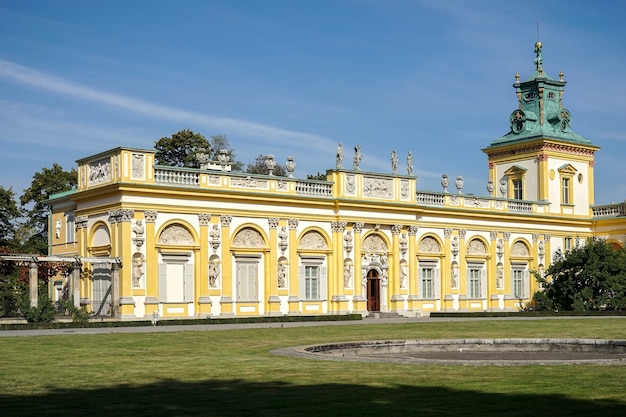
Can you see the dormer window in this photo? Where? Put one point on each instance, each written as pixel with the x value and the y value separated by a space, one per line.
pixel 567 173
pixel 515 179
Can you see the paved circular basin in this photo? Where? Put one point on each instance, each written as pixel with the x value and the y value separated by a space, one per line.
pixel 500 352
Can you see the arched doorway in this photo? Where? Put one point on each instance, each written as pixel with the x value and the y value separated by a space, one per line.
pixel 373 290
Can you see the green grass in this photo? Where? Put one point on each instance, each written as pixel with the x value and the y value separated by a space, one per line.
pixel 233 373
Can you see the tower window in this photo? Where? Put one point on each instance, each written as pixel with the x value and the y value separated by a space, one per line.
pixel 518 189
pixel 565 189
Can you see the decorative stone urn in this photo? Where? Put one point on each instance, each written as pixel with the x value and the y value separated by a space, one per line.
pixel 459 184
pixel 445 182
pixel 290 165
pixel 270 163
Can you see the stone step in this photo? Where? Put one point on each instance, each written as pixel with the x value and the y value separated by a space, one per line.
pixel 383 315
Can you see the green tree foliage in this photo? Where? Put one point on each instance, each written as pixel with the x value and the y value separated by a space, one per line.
pixel 588 277
pixel 318 176
pixel 45 183
pixel 9 216
pixel 180 149
pixel 12 287
pixel 220 143
pixel 259 167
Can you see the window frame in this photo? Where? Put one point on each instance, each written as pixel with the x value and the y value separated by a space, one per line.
pixel 318 264
pixel 479 292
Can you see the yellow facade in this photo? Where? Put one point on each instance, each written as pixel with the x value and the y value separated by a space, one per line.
pixel 211 243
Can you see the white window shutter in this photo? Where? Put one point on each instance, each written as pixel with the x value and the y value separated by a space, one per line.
pixel 323 283
pixel 483 283
pixel 188 283
pixel 437 283
pixel 162 283
pixel 526 284
pixel 301 281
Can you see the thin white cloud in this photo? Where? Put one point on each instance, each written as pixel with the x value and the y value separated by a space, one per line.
pixel 18 73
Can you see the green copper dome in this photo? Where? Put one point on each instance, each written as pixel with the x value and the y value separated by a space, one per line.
pixel 540 114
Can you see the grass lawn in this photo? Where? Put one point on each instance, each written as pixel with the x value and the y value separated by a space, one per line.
pixel 232 373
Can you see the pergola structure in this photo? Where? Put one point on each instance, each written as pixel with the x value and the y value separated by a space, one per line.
pixel 74 282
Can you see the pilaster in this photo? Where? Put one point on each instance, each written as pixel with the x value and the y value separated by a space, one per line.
pixel 359 301
pixel 271 271
pixel 339 302
pixel 152 263
pixel 226 301
pixel 294 279
pixel 202 267
pixel 397 301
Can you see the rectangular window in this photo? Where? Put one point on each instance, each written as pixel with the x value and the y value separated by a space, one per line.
pixel 311 282
pixel 69 227
pixel 426 282
pixel 247 278
pixel 518 283
pixel 474 283
pixel 565 185
pixel 518 191
pixel 313 278
pixel 567 243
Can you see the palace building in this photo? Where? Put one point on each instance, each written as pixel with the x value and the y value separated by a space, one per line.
pixel 208 242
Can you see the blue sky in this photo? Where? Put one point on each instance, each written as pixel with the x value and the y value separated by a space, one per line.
pixel 294 78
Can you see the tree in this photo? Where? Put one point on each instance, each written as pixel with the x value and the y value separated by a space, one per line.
pixel 220 143
pixel 180 149
pixel 9 215
pixel 318 176
pixel 45 183
pixel 259 166
pixel 588 277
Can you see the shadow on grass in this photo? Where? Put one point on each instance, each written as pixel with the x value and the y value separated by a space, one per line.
pixel 241 398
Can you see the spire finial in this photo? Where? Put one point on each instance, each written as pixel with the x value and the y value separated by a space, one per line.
pixel 538 58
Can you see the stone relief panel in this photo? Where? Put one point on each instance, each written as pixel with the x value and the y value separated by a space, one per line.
pixel 375 187
pixel 520 249
pixel 313 240
pixel 248 238
pixel 429 245
pixel 249 182
pixel 137 166
pixel 374 244
pixel 404 190
pixel 176 234
pixel 350 184
pixel 99 171
pixel 476 247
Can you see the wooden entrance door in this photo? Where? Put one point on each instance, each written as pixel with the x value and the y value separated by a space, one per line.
pixel 373 290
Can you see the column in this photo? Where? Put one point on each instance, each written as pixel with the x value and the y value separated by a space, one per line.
pixel 33 281
pixel 115 289
pixel 75 285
